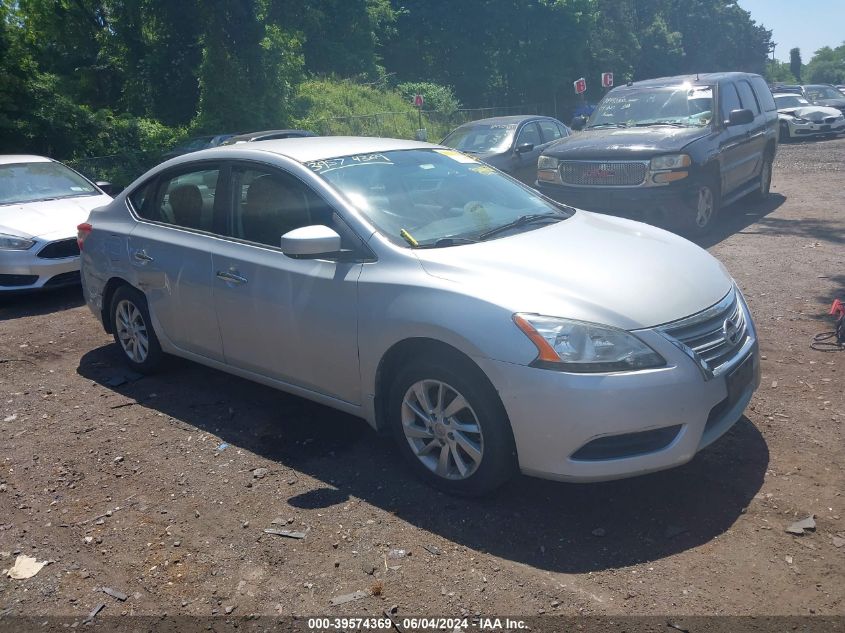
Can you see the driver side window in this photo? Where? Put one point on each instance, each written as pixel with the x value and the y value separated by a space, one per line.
pixel 529 134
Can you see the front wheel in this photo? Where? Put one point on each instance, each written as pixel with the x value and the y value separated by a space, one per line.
pixel 451 427
pixel 701 214
pixel 133 331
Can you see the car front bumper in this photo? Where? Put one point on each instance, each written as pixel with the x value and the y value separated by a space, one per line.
pixel 595 427
pixel 24 270
pixel 815 129
pixel 638 202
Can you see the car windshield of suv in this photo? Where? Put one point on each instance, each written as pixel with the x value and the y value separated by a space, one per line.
pixel 436 197
pixel 32 182
pixel 822 92
pixel 480 138
pixel 679 106
pixel 790 101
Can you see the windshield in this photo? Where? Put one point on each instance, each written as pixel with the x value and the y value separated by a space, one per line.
pixel 682 106
pixel 822 92
pixel 479 138
pixel 791 101
pixel 433 197
pixel 30 182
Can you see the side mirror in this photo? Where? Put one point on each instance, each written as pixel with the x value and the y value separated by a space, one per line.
pixel 310 241
pixel 523 148
pixel 107 187
pixel 740 117
pixel 578 123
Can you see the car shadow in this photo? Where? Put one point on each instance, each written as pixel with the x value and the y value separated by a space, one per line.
pixel 742 214
pixel 552 526
pixel 24 304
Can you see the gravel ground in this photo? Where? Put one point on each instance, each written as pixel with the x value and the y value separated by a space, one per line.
pixel 161 487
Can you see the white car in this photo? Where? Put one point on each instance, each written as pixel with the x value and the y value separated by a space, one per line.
pixel 798 117
pixel 41 204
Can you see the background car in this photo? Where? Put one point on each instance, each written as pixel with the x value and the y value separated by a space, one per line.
pixel 673 150
pixel 486 327
pixel 266 135
pixel 195 144
pixel 511 144
pixel 817 94
pixel 841 89
pixel 799 118
pixel 41 203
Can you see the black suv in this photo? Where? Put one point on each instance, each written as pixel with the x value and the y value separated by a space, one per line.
pixel 672 150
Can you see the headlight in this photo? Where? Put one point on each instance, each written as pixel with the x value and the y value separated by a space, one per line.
pixel 798 119
pixel 581 347
pixel 671 161
pixel 547 162
pixel 15 243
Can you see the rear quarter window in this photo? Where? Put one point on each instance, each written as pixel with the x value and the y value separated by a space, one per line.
pixel 764 95
pixel 140 200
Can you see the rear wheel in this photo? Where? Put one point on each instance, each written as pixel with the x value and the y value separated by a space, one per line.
pixel 765 178
pixel 133 331
pixel 451 426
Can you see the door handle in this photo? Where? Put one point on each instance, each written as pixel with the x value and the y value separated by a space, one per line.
pixel 231 277
pixel 141 256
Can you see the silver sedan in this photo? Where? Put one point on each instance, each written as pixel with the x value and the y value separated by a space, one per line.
pixel 488 328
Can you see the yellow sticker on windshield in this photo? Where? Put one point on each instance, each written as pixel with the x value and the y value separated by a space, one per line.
pixel 483 169
pixel 456 156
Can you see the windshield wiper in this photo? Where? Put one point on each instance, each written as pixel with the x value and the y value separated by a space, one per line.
pixel 595 125
pixel 449 241
pixel 522 220
pixel 672 123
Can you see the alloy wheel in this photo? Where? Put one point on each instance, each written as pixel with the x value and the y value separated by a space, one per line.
pixel 705 206
pixel 442 429
pixel 132 331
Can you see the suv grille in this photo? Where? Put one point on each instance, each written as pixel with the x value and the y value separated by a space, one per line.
pixel 60 249
pixel 715 334
pixel 597 174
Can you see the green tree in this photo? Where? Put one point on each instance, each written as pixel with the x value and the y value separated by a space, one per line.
pixel 795 63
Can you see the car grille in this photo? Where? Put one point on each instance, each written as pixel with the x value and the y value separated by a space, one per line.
pixel 715 335
pixel 601 174
pixel 60 249
pixel 830 119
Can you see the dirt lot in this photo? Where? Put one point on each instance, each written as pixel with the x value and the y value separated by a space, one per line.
pixel 149 487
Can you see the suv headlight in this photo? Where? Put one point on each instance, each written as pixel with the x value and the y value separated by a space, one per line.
pixel 547 162
pixel 15 243
pixel 671 161
pixel 578 346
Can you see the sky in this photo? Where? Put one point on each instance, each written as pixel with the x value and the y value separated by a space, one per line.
pixel 807 24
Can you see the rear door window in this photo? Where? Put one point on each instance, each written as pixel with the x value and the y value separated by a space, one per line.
pixel 764 95
pixel 746 96
pixel 550 130
pixel 186 199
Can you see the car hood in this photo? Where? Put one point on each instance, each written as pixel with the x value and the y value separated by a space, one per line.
pixel 831 103
pixel 811 112
pixel 48 219
pixel 589 267
pixel 640 142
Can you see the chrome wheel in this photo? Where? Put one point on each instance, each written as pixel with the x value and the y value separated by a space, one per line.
pixel 132 331
pixel 442 429
pixel 705 207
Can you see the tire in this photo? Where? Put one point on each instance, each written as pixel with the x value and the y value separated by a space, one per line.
pixel 783 136
pixel 133 331
pixel 701 214
pixel 762 193
pixel 477 435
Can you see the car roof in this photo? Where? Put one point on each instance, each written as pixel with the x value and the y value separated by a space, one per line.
pixel 248 135
pixel 506 120
pixel 699 78
pixel 8 159
pixel 309 148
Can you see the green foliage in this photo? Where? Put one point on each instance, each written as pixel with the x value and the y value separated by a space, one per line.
pixel 438 98
pixel 795 63
pixel 827 66
pixel 779 72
